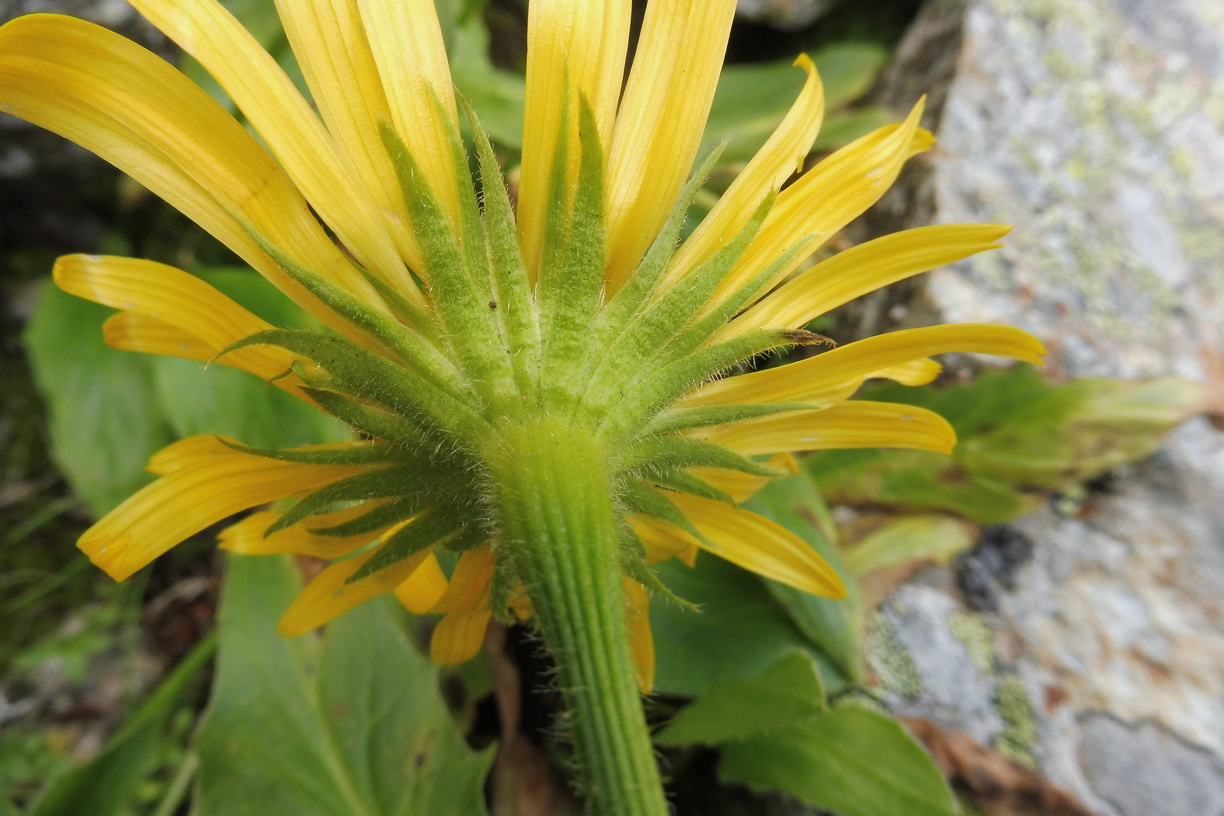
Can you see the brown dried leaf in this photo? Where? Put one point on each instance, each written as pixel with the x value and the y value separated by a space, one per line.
pixel 998 785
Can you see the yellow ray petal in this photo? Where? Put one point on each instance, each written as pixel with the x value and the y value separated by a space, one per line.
pixel 781 157
pixel 660 544
pixel 469 582
pixel 743 486
pixel 459 636
pixel 330 43
pixel 329 594
pixel 424 588
pixel 915 372
pixel 660 122
pixel 858 424
pixel 136 331
pixel 247 536
pixel 521 605
pixel 834 375
pixel 641 638
pixel 160 291
pixel 133 109
pixel 205 448
pixel 863 269
pixel 179 300
pixel 273 105
pixel 177 506
pixel 573 50
pixel 406 42
pixel 826 198
pixel 759 545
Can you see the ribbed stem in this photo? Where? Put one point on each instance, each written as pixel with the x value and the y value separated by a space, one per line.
pixel 555 501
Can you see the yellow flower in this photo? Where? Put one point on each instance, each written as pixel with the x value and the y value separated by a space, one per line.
pixel 453 326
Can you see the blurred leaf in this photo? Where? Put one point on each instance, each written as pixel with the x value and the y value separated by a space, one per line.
pixel 739 630
pixel 110 410
pixel 850 761
pixel 220 400
pixel 916 480
pixel 886 550
pixel 497 95
pixel 1081 429
pixel 108 782
pixel 834 626
pixel 252 291
pixel 104 418
pixel 1019 438
pixel 786 691
pixel 350 724
pixel 849 70
pixel 753 99
pixel 927 537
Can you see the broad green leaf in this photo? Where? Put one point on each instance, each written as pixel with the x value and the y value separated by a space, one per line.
pixel 107 783
pixel 785 692
pixel 849 761
pixel 349 725
pixel 835 627
pixel 738 631
pixel 104 418
pixel 202 400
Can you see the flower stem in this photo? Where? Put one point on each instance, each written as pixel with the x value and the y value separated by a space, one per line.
pixel 556 504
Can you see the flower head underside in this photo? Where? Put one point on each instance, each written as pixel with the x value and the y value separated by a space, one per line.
pixel 459 327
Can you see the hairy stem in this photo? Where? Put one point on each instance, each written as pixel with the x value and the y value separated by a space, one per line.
pixel 552 487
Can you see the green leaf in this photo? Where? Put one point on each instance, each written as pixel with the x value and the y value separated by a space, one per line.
pixel 1019 437
pixel 105 420
pixel 786 691
pixel 107 783
pixel 350 725
pixel 850 761
pixel 197 399
pixel 917 480
pixel 110 410
pixel 923 537
pixel 739 630
pixel 835 626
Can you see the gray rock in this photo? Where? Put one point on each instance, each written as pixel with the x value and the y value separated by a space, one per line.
pixel 1096 127
pixel 1189 782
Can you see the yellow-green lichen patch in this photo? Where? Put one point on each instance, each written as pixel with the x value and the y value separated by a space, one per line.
pixel 889 661
pixel 1019 735
pixel 971 630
